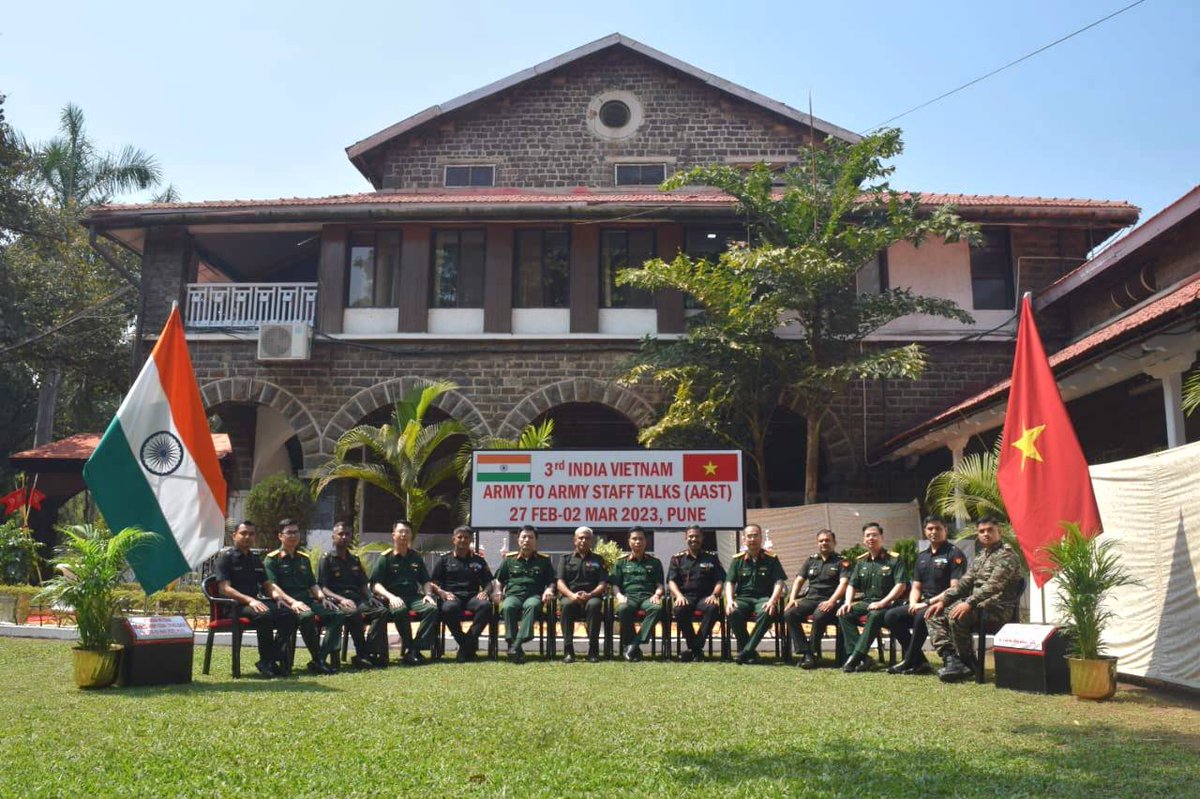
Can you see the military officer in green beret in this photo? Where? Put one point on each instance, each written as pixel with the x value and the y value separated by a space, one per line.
pixel 638 581
pixel 289 568
pixel 527 577
pixel 344 580
pixel 401 580
pixel 754 585
pixel 878 581
pixel 582 582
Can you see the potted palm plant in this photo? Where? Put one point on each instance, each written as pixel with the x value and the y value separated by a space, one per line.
pixel 1086 572
pixel 91 561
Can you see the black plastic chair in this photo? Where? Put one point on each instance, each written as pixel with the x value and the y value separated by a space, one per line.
pixel 223 615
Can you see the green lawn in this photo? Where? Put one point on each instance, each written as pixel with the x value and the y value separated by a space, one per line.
pixel 547 729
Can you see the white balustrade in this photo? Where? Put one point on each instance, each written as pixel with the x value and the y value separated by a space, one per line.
pixel 242 305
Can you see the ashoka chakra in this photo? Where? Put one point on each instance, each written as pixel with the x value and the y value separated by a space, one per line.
pixel 162 453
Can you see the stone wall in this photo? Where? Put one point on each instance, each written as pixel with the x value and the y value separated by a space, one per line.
pixel 537 132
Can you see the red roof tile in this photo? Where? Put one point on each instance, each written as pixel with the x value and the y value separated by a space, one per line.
pixel 1179 299
pixel 80 447
pixel 586 195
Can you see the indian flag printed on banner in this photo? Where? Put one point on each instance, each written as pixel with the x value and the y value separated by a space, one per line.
pixel 503 468
pixel 156 467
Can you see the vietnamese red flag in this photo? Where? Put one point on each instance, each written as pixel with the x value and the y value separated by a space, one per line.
pixel 1042 473
pixel 709 467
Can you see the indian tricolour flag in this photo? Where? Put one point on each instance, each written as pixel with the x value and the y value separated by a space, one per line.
pixel 156 467
pixel 505 468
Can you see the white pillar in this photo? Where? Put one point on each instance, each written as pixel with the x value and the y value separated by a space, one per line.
pixel 1170 373
pixel 957 447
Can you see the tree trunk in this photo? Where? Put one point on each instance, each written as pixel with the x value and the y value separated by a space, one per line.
pixel 760 463
pixel 812 456
pixel 43 433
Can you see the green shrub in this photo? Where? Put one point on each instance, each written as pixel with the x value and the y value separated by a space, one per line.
pixel 279 496
pixel 18 552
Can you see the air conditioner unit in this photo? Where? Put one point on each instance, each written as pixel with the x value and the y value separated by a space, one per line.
pixel 288 341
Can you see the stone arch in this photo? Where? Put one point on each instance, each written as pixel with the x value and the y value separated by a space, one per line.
pixel 389 392
pixel 260 392
pixel 578 389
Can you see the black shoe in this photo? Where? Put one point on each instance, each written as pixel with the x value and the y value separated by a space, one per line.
pixel 461 656
pixel 519 657
pixel 698 655
pixel 867 664
pixel 921 668
pixel 266 669
pixel 899 668
pixel 568 656
pixel 852 663
pixel 687 656
pixel 593 656
pixel 360 662
pixel 316 667
pixel 633 653
pixel 411 658
pixel 745 658
pixel 809 662
pixel 954 670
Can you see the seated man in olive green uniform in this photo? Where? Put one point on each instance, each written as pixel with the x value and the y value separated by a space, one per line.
pixel 582 581
pixel 527 577
pixel 638 580
pixel 754 585
pixel 400 579
pixel 344 580
pixel 289 568
pixel 878 582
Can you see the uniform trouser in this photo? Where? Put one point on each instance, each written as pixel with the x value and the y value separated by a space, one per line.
pixel 427 618
pixel 909 630
pixel 743 607
pixel 332 620
pixel 452 613
pixel 953 636
pixel 627 616
pixel 356 623
pixel 571 612
pixel 860 644
pixel 820 618
pixel 519 614
pixel 277 620
pixel 683 615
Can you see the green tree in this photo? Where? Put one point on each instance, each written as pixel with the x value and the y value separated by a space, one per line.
pixel 1191 392
pixel 73 307
pixel 805 244
pixel 403 457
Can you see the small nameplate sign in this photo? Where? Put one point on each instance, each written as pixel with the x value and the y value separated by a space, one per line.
pixel 1026 637
pixel 158 628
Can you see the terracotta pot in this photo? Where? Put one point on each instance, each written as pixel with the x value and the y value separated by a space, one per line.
pixel 96 669
pixel 1093 679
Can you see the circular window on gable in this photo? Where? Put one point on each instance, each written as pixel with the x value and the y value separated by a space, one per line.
pixel 614 115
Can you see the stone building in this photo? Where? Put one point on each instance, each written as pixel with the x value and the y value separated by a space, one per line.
pixel 485 253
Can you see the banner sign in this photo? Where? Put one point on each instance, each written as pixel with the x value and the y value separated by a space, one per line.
pixel 667 489
pixel 159 628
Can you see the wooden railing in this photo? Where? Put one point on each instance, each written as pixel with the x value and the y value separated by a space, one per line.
pixel 242 305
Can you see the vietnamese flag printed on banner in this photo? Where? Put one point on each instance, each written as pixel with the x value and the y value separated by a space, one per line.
pixel 1042 473
pixel 710 468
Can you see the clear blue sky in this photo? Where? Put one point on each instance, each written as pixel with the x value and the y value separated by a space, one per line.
pixel 243 100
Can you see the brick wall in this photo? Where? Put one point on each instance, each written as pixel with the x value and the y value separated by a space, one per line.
pixel 537 135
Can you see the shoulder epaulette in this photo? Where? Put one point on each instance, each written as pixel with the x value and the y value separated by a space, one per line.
pixel 680 554
pixel 542 555
pixel 863 555
pixel 741 554
pixel 226 549
pixel 511 554
pixel 893 553
pixel 623 556
pixel 817 555
pixel 770 554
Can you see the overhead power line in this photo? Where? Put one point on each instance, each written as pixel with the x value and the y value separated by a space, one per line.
pixel 1013 63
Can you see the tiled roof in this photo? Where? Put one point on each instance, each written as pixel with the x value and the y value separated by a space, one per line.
pixel 80 447
pixel 648 196
pixel 1170 303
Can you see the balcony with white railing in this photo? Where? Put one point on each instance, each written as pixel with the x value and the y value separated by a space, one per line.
pixel 248 305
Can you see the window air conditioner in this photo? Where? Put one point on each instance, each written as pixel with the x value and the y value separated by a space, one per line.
pixel 284 342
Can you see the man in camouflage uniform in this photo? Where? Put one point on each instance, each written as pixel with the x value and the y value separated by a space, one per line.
pixel 992 583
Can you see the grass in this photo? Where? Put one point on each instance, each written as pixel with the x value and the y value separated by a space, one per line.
pixel 547 729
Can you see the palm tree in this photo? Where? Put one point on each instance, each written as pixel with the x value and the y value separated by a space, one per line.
pixel 1191 392
pixel 403 455
pixel 71 173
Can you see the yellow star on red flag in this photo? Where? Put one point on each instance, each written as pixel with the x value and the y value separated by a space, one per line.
pixel 710 468
pixel 1027 443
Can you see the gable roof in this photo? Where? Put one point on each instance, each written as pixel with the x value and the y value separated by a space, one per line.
pixel 358 151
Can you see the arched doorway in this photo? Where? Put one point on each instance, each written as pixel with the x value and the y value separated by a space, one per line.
pixel 590 425
pixel 786 445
